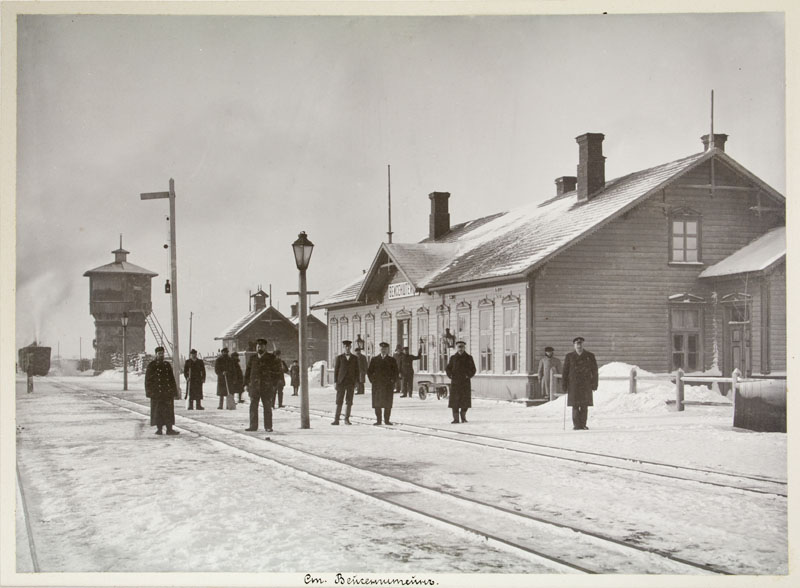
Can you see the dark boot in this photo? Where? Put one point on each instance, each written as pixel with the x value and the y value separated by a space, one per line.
pixel 159 431
pixel 199 406
pixel 347 415
pixel 221 400
pixel 386 414
pixel 171 431
pixel 455 417
pixel 463 415
pixel 338 414
pixel 191 405
pixel 378 416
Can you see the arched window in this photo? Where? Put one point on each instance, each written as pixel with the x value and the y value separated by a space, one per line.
pixel 386 328
pixel 486 334
pixel 445 337
pixel 369 334
pixel 463 317
pixel 424 337
pixel 333 346
pixel 511 334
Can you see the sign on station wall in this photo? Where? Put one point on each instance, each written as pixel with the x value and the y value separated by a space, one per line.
pixel 400 290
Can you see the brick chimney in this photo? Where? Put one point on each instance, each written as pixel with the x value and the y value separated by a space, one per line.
pixel 565 184
pixel 719 141
pixel 260 300
pixel 591 165
pixel 440 216
pixel 294 310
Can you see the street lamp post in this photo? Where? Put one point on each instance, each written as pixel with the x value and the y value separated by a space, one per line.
pixel 302 256
pixel 124 350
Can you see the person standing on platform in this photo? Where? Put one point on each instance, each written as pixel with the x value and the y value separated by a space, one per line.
pixel 281 382
pixel 345 374
pixel 383 374
pixel 398 359
pixel 460 370
pixel 236 379
pixel 579 381
pixel 407 372
pixel 194 370
pixel 222 367
pixel 362 370
pixel 29 373
pixel 294 376
pixel 545 365
pixel 260 378
pixel 160 388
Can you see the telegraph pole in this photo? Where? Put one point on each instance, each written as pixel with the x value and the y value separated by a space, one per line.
pixel 176 355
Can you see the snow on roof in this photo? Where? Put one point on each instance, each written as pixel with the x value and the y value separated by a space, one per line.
pixel 243 322
pixel 756 256
pixel 122 267
pixel 511 244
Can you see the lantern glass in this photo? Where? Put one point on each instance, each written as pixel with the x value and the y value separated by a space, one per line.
pixel 302 251
pixel 124 319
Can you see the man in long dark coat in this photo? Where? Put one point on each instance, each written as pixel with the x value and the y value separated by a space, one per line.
pixel 363 366
pixel 407 372
pixel 279 385
pixel 260 378
pixel 383 374
pixel 460 370
pixel 579 380
pixel 160 388
pixel 345 374
pixel 194 370
pixel 223 368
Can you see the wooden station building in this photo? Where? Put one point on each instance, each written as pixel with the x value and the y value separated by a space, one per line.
pixel 681 265
pixel 280 331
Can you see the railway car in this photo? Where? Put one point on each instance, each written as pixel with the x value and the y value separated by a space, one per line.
pixel 36 356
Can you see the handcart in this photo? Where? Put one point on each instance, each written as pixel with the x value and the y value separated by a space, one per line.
pixel 441 389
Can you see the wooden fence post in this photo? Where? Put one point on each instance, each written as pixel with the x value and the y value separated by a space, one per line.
pixel 552 383
pixel 632 388
pixel 679 389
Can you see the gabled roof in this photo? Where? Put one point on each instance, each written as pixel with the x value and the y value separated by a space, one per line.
pixel 757 256
pixel 122 267
pixel 251 317
pixel 512 244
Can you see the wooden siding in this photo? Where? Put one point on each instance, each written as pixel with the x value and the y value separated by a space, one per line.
pixel 612 287
pixel 777 319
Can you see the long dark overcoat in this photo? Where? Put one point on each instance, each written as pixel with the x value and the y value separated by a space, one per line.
pixel 261 375
pixel 579 378
pixel 460 369
pixel 363 366
pixel 294 374
pixel 235 377
pixel 197 369
pixel 383 373
pixel 223 367
pixel 160 388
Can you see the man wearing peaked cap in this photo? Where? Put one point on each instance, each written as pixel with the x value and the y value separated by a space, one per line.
pixel 194 370
pixel 579 381
pixel 546 365
pixel 160 388
pixel 460 369
pixel 345 374
pixel 382 373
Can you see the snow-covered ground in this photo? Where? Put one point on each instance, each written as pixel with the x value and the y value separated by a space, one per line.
pixel 106 495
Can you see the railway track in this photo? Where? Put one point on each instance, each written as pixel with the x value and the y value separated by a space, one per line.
pixel 561 548
pixel 745 483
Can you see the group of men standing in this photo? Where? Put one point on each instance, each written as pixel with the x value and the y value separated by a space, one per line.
pixel 385 370
pixel 264 379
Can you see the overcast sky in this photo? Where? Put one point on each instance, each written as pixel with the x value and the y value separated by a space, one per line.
pixel 273 125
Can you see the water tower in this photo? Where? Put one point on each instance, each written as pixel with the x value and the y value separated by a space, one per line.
pixel 117 288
